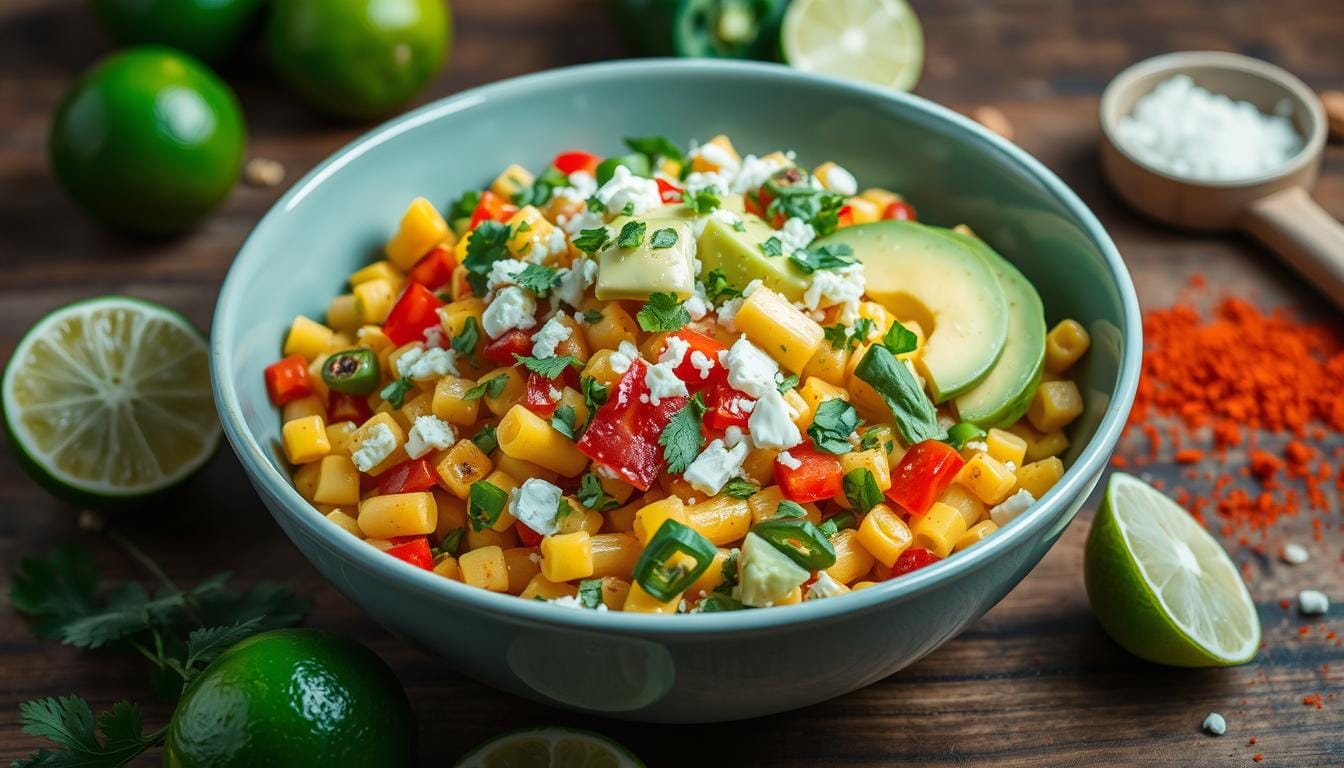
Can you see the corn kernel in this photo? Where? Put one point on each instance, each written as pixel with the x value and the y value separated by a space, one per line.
pixel 337 481
pixel 485 568
pixel 398 514
pixel 884 534
pixel 862 210
pixel 1007 447
pixel 1040 476
pixel 975 534
pixel 987 478
pixel 566 556
pixel 938 529
pixel 1064 344
pixel 421 229
pixel 305 439
pixel 1055 405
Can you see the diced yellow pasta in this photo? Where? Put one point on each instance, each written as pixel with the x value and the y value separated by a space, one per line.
pixel 815 391
pixel 828 364
pixel 721 519
pixel 765 503
pixel 780 329
pixel 614 326
pixel 614 592
pixel 711 578
pixel 884 534
pixel 373 300
pixel 448 568
pixel 543 588
pixel 652 516
pixel 851 558
pixel 1006 446
pixel 873 460
pixel 639 601
pixel 975 534
pixel 614 554
pixel 1055 405
pixel 970 506
pixel 305 439
pixel 524 435
pixel 337 481
pixel 581 519
pixel 511 393
pixel 987 478
pixel 881 197
pixel 345 522
pixel 759 466
pixel 378 270
pixel 304 407
pixel 449 401
pixel 367 429
pixel 342 314
pixel 511 181
pixel 421 229
pixel 1040 446
pixel 566 556
pixel 488 538
pixel 462 465
pixel 1040 476
pixel 1064 344
pixel 522 565
pixel 398 514
pixel 308 338
pixel 531 231
pixel 305 479
pixel 938 529
pixel 485 568
pixel 862 210
pixel 523 469
pixel 452 513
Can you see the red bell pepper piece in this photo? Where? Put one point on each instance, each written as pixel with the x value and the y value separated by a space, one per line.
pixel 435 268
pixel 726 407
pixel 492 207
pixel 526 536
pixel 409 477
pixel 668 192
pixel 345 407
pixel 539 396
pixel 912 559
pixel 845 216
pixel 624 432
pixel 416 310
pixel 687 372
pixel 575 161
pixel 899 210
pixel 818 476
pixel 287 380
pixel 923 474
pixel 501 350
pixel 414 551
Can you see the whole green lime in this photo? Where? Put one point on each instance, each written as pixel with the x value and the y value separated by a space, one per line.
pixel 208 29
pixel 293 697
pixel 359 58
pixel 148 141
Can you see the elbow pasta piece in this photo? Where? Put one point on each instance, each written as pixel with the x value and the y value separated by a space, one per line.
pixel 566 556
pixel 449 401
pixel 780 329
pixel 523 469
pixel 987 478
pixel 448 568
pixel 975 534
pixel 307 338
pixel 305 439
pixel 852 559
pixel 342 314
pixel 721 519
pixel 1055 405
pixel 421 229
pixel 337 481
pixel 884 534
pixel 345 522
pixel 651 517
pixel 614 554
pixel 639 601
pixel 379 270
pixel 522 565
pixel 938 529
pixel 614 326
pixel 1064 344
pixel 510 395
pixel 460 466
pixel 542 588
pixel 398 514
pixel 485 568
pixel 1040 476
pixel 524 435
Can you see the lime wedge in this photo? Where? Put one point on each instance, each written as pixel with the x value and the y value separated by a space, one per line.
pixel 550 748
pixel 1162 586
pixel 108 400
pixel 876 41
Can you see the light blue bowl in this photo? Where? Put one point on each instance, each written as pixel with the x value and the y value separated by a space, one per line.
pixel 693 668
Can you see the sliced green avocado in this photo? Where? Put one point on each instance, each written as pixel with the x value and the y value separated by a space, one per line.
pixel 1003 396
pixel 740 257
pixel 920 274
pixel 635 273
pixel 765 575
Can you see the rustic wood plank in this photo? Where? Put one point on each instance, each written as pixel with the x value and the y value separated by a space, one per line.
pixel 1035 683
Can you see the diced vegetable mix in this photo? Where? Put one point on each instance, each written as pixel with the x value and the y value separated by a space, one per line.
pixel 548 391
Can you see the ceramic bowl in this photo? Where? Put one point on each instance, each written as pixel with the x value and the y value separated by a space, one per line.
pixel 693 668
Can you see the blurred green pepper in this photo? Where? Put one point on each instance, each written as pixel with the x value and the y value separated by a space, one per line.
pixel 730 29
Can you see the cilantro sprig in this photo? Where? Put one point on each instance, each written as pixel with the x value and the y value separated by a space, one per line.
pixel 488 243
pixel 592 495
pixel 537 278
pixel 834 422
pixel 683 437
pixel 833 256
pixel 548 367
pixel 663 312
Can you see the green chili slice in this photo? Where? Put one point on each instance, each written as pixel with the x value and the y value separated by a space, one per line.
pixel 963 433
pixel 716 603
pixel 661 572
pixel 838 523
pixel 799 540
pixel 352 371
pixel 485 503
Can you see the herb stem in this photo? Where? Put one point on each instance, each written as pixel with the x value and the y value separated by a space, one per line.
pixel 139 556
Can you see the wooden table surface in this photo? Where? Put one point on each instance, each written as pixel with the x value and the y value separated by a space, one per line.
pixel 1034 683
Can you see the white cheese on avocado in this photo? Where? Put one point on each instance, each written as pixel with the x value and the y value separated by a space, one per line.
pixel 765 575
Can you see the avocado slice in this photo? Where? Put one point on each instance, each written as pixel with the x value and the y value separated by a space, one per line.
pixel 739 256
pixel 765 575
pixel 920 274
pixel 635 273
pixel 1003 396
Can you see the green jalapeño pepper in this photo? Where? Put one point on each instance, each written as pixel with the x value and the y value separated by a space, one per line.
pixel 799 540
pixel 353 371
pixel 963 433
pixel 732 29
pixel 675 557
pixel 717 602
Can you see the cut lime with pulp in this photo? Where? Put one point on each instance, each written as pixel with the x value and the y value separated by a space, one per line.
pixel 875 41
pixel 1162 586
pixel 108 400
pixel 550 748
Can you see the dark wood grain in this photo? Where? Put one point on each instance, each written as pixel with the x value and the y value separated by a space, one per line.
pixel 1035 683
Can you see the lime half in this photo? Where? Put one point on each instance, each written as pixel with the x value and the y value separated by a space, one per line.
pixel 1162 586
pixel 108 400
pixel 550 748
pixel 876 41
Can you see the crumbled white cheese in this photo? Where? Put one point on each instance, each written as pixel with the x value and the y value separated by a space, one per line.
pixel 771 422
pixel 734 436
pixel 420 363
pixel 1294 554
pixel 375 448
pixel 574 281
pixel 707 181
pixel 675 352
pixel 715 466
pixel 1215 724
pixel 535 503
pixel 825 586
pixel 624 355
pixel 549 337
pixel 428 433
pixel 504 272
pixel 696 306
pixel 582 185
pixel 512 308
pixel 840 181
pixel 755 171
pixel 663 383
pixel 434 336
pixel 546 247
pixel 571 601
pixel 975 445
pixel 749 369
pixel 580 221
pixel 701 362
pixel 1011 507
pixel 1312 602
pixel 787 459
pixel 796 234
pixel 832 287
pixel 723 161
pixel 624 188
pixel 728 313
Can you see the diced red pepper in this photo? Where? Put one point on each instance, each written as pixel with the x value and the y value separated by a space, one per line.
pixel 687 372
pixel 818 475
pixel 751 204
pixel 416 310
pixel 526 536
pixel 922 475
pixel 726 407
pixel 414 551
pixel 435 268
pixel 288 380
pixel 501 351
pixel 575 161
pixel 346 407
pixel 492 207
pixel 624 432
pixel 539 396
pixel 912 559
pixel 899 210
pixel 668 192
pixel 409 477
pixel 845 216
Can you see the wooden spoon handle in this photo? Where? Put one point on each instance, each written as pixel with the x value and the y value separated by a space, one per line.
pixel 1310 240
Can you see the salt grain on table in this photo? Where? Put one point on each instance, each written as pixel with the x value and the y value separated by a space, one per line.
pixel 1187 131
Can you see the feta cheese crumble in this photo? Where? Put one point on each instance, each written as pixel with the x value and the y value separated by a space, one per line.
pixel 840 181
pixel 663 383
pixel 572 601
pixel 433 336
pixel 754 172
pixel 709 181
pixel 549 337
pixel 504 272
pixel 582 185
pixel 796 234
pixel 675 352
pixel 574 280
pixel 1215 724
pixel 771 422
pixel 512 308
pixel 749 369
pixel 375 448
pixel 535 503
pixel 580 221
pixel 723 161
pixel 837 287
pixel 623 357
pixel 787 459
pixel 825 586
pixel 1011 507
pixel 701 362
pixel 715 466
pixel 428 433
pixel 1312 602
pixel 624 188
pixel 420 363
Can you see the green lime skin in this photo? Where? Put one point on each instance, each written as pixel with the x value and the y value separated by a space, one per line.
pixel 358 59
pixel 149 141
pixel 295 698
pixel 211 30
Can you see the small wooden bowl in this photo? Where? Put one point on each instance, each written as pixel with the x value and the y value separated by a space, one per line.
pixel 1275 208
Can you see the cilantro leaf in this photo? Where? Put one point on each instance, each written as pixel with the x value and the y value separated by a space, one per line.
pixel 595 395
pixel 491 387
pixel 563 509
pixel 592 240
pixel 464 206
pixel 592 496
pixel 56 589
pixel 900 339
pixel 683 437
pixel 717 287
pixel 912 410
pixel 591 316
pixel 870 438
pixel 206 643
pixel 451 542
pixel 663 238
pixel 861 490
pixel 772 246
pixel 537 278
pixel 632 234
pixel 833 423
pixel 595 205
pixel 738 488
pixel 548 367
pixel 564 421
pixel 788 510
pixel 794 198
pixel 465 343
pixel 396 391
pixel 654 147
pixel 486 440
pixel 488 243
pixel 663 312
pixel 485 503
pixel 590 593
pixel 836 335
pixel 739 226
pixel 701 202
pixel 729 574
pixel 787 383
pixel 69 722
pixel 540 192
pixel 834 256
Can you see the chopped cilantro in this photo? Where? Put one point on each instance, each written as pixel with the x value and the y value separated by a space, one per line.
pixel 741 489
pixel 663 238
pixel 486 440
pixel 538 278
pixel 717 287
pixel 701 202
pixel 663 312
pixel 395 392
pixel 492 387
pixel 788 510
pixel 540 192
pixel 465 342
pixel 485 503
pixel 564 421
pixel 592 496
pixel 833 256
pixel 596 206
pixel 833 423
pixel 591 316
pixel 683 436
pixel 861 490
pixel 548 367
pixel 900 339
pixel 654 147
pixel 590 593
pixel 488 243
pixel 788 382
pixel 912 410
pixel 772 246
pixel 451 542
pixel 592 240
pixel 632 234
pixel 464 206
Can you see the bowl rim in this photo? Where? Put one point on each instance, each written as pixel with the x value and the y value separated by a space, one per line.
pixel 1046 512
